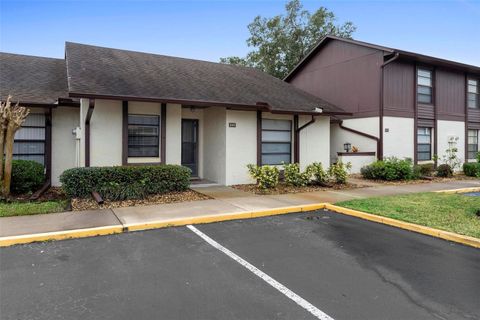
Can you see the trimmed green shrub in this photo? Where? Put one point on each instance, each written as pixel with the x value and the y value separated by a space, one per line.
pixel 471 169
pixel 266 176
pixel 27 176
pixel 125 182
pixel 444 170
pixel 427 169
pixel 315 170
pixel 389 169
pixel 339 172
pixel 293 175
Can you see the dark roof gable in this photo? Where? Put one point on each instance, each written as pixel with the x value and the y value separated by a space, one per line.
pixel 387 52
pixel 32 79
pixel 104 72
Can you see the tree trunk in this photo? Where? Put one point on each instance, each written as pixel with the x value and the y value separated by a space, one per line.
pixel 8 159
pixel 2 153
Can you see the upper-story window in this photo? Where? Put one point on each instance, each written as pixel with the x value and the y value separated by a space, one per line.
pixel 424 86
pixel 473 95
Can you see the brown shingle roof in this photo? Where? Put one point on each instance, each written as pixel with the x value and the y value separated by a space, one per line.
pixel 105 72
pixel 32 79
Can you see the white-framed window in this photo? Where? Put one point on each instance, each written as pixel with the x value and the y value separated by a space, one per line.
pixel 472 144
pixel 143 135
pixel 424 86
pixel 276 141
pixel 29 141
pixel 424 144
pixel 473 94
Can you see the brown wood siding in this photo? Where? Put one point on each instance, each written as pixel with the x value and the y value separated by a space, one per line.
pixel 450 95
pixel 474 125
pixel 344 74
pixel 399 83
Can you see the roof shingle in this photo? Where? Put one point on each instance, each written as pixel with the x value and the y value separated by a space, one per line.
pixel 99 71
pixel 32 79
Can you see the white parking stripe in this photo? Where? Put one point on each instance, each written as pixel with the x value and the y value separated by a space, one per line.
pixel 274 283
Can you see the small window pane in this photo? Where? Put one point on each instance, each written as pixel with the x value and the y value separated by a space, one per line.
pixel 34 120
pixel 30 134
pixel 270 124
pixel 472 89
pixel 134 151
pixel 424 148
pixel 424 73
pixel 20 147
pixel 424 156
pixel 142 141
pixel 425 81
pixel 274 159
pixel 143 119
pixel 423 131
pixel 276 147
pixel 422 98
pixel 424 90
pixel 276 136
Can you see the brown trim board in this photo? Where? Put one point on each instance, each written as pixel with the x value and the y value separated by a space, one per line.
pixel 163 133
pixel 259 138
pixel 91 106
pixel 124 132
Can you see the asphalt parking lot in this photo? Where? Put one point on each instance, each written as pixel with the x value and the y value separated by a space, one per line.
pixel 299 266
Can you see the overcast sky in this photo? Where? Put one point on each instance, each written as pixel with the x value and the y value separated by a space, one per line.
pixel 209 30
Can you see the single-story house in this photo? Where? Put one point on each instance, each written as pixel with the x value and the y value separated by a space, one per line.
pixel 110 107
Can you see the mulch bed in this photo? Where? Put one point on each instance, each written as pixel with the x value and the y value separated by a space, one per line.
pixel 456 177
pixel 284 189
pixel 172 197
pixel 53 193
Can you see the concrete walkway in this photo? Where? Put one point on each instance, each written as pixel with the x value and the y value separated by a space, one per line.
pixel 226 200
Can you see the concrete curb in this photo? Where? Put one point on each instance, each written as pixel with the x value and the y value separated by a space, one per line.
pixel 462 190
pixel 450 236
pixel 91 232
pixel 60 235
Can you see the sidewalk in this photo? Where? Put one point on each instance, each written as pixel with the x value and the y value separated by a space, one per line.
pixel 226 201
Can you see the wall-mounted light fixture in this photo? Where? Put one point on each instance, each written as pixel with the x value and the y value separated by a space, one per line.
pixel 347 146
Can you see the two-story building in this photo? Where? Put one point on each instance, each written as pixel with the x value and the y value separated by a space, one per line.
pixel 403 104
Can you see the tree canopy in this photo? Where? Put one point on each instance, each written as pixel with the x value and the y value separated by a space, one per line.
pixel 280 42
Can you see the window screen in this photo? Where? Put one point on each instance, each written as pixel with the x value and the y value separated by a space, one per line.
pixel 424 144
pixel 424 86
pixel 276 141
pixel 143 132
pixel 29 143
pixel 472 144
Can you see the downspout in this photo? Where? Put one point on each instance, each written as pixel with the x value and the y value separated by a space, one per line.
pixel 296 137
pixel 91 106
pixel 380 142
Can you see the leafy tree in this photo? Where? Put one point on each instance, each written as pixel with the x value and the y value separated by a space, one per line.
pixel 282 41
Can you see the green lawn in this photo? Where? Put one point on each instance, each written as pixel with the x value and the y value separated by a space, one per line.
pixel 450 212
pixel 28 208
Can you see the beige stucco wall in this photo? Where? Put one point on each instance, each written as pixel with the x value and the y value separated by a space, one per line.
pixel 399 140
pixel 106 134
pixel 150 108
pixel 241 146
pixel 357 161
pixel 447 129
pixel 64 121
pixel 174 134
pixel 315 141
pixel 339 136
pixel 214 133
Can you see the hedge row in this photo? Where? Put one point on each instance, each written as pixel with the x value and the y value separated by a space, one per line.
pixel 119 183
pixel 471 169
pixel 27 176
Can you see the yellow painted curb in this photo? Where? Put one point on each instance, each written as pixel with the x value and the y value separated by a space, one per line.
pixel 91 232
pixel 224 217
pixel 462 190
pixel 465 240
pixel 59 235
